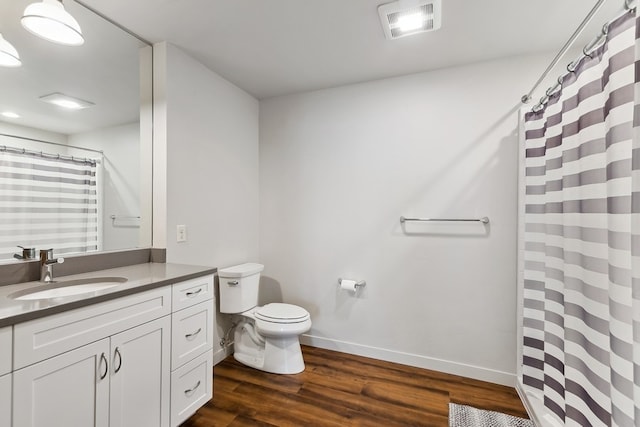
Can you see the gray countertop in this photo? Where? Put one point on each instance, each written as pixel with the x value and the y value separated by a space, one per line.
pixel 141 277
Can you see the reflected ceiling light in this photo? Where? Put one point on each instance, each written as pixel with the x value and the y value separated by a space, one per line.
pixel 48 19
pixel 405 17
pixel 66 101
pixel 10 115
pixel 8 54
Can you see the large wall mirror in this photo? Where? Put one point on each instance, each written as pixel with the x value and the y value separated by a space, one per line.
pixel 76 180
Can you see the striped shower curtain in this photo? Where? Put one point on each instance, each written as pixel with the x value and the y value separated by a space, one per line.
pixel 47 201
pixel 581 325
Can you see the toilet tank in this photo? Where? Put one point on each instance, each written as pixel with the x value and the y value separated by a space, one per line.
pixel 239 287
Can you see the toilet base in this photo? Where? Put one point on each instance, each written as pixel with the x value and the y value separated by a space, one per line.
pixel 277 355
pixel 283 356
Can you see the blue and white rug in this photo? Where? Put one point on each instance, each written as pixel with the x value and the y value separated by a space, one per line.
pixel 468 416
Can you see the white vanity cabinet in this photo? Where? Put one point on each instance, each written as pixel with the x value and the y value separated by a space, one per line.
pixel 117 381
pixel 108 364
pixel 6 343
pixel 192 325
pixel 121 379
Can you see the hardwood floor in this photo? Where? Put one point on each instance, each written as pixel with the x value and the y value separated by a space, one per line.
pixel 339 389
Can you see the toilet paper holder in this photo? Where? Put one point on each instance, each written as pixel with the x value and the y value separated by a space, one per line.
pixel 359 283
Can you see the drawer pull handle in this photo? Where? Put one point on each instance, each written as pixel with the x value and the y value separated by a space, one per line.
pixel 117 353
pixel 191 390
pixel 232 282
pixel 103 358
pixel 194 293
pixel 193 334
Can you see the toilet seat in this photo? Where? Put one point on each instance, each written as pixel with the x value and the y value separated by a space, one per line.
pixel 282 313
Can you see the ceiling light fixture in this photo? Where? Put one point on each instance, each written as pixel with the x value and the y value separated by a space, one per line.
pixel 10 115
pixel 8 54
pixel 66 101
pixel 49 19
pixel 406 17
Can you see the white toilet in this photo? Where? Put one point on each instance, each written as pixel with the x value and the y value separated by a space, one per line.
pixel 267 337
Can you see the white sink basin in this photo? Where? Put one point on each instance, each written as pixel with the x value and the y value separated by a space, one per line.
pixel 68 288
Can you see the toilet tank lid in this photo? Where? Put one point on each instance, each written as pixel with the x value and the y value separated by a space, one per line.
pixel 241 270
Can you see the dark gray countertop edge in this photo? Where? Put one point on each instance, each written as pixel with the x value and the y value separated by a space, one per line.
pixel 36 314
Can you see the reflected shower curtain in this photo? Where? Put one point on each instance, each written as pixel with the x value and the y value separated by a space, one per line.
pixel 581 323
pixel 47 201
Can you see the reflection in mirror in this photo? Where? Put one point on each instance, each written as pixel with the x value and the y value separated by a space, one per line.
pixel 74 179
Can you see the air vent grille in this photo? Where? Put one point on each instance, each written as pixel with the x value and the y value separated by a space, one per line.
pixel 398 20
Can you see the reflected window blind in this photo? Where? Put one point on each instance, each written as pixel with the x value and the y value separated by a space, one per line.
pixel 48 201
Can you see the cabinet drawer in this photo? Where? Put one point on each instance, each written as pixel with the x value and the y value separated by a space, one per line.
pixel 191 332
pixel 190 292
pixel 40 339
pixel 6 342
pixel 191 387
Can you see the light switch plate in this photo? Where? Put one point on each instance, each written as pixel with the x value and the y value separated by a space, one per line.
pixel 181 233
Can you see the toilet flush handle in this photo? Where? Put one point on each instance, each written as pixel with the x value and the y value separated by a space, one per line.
pixel 232 282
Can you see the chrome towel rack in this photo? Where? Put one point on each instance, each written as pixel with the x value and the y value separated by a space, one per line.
pixel 115 217
pixel 484 220
pixel 125 221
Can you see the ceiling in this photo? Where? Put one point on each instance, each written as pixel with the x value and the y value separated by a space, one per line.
pixel 266 47
pixel 276 47
pixel 104 71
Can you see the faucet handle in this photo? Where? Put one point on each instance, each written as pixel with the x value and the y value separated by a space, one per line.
pixel 54 261
pixel 46 254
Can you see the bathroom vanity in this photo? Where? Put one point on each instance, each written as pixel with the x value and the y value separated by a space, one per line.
pixel 137 353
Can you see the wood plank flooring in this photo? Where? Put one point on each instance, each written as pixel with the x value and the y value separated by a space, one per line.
pixel 339 389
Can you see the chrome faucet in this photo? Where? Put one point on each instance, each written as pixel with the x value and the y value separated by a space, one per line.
pixel 46 265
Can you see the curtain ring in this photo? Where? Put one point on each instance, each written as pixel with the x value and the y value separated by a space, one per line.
pixel 553 89
pixel 571 66
pixel 594 45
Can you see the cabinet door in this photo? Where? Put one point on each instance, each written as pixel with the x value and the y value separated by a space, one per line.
pixel 5 400
pixel 71 389
pixel 140 360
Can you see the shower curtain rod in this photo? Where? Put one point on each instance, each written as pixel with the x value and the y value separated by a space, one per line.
pixel 52 143
pixel 47 155
pixel 628 5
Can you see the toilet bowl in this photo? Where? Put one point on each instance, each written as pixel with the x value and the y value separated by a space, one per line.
pixel 266 338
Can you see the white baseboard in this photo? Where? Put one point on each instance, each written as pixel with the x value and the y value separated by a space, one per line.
pixel 221 354
pixel 416 360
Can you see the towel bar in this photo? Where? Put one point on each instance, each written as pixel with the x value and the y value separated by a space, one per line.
pixel 484 219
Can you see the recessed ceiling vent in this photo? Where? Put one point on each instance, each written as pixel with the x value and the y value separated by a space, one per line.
pixel 406 17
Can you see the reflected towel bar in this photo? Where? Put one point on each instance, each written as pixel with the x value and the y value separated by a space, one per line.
pixel 115 217
pixel 484 219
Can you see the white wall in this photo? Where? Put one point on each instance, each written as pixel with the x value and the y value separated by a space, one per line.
pixel 21 136
pixel 338 168
pixel 210 130
pixel 121 182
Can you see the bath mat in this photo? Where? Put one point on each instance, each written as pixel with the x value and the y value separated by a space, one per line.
pixel 468 416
